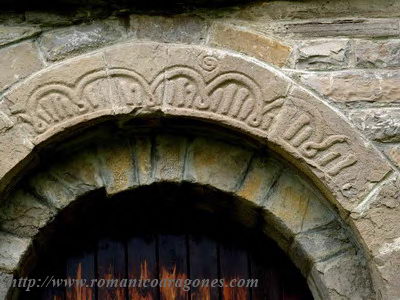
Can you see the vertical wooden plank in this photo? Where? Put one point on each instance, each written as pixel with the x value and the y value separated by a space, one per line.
pixel 269 282
pixel 53 294
pixel 111 266
pixel 82 270
pixel 203 263
pixel 294 284
pixel 142 265
pixel 172 265
pixel 234 266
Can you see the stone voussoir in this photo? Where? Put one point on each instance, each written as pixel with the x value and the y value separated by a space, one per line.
pixel 12 249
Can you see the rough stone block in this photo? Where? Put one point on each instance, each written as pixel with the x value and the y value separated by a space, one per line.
pixel 351 27
pixel 322 54
pixel 383 208
pixel 353 86
pixel 177 29
pixel 62 43
pixel 22 214
pixel 17 62
pixel 5 283
pixel 317 245
pixel 377 53
pixel 12 249
pixel 80 173
pixel 342 277
pixel 251 43
pixel 215 163
pixel 393 153
pixel 10 34
pixel 380 124
pixel 54 191
pixel 170 152
pixel 388 269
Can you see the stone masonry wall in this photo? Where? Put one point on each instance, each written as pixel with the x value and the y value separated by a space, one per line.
pixel 347 52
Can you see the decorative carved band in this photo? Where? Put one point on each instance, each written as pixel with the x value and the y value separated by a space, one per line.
pixel 231 95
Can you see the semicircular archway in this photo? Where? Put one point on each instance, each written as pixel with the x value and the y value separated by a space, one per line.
pixel 297 217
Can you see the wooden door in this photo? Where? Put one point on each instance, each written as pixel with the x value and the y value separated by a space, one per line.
pixel 120 268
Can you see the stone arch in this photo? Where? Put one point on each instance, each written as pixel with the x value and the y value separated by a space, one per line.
pixel 297 217
pixel 138 80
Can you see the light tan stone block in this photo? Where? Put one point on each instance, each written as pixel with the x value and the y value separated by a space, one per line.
pixel 295 207
pixel 143 152
pixel 170 155
pixel 119 166
pixel 18 62
pixel 216 164
pixel 251 43
pixel 259 179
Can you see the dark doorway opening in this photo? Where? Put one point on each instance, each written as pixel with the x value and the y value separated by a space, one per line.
pixel 163 231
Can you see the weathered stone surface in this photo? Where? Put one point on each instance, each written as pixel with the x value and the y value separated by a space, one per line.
pixel 118 166
pixel 383 208
pixel 393 153
pixel 5 283
pixel 15 145
pixel 170 155
pixel 12 248
pixel 177 29
pixel 17 62
pixel 388 268
pixel 64 181
pixel 338 27
pixel 10 34
pixel 216 164
pixel 352 86
pixel 80 174
pixel 46 18
pixel 295 207
pixel 199 82
pixel 45 105
pixel 311 9
pixel 62 43
pixel 381 124
pixel 53 191
pixel 342 277
pixel 312 132
pixel 319 244
pixel 377 53
pixel 143 151
pixel 322 54
pixel 260 178
pixel 250 43
pixel 23 215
